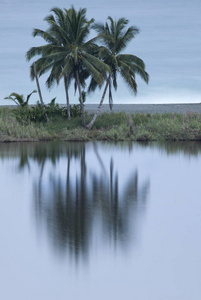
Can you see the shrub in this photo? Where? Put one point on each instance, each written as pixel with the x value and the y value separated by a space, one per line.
pixel 19 99
pixel 75 111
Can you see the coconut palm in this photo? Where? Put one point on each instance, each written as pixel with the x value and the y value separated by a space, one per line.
pixel 67 53
pixel 115 37
pixel 82 54
pixel 56 35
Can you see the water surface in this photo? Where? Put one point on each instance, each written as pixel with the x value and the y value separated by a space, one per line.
pixel 100 221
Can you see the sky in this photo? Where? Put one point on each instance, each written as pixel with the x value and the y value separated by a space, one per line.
pixel 169 43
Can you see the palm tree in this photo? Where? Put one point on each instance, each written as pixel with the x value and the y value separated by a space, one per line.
pixel 115 38
pixel 55 36
pixel 67 53
pixel 82 54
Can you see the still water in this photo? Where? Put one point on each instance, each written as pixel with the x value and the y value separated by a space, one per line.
pixel 100 221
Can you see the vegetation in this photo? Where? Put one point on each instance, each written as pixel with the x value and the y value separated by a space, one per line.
pixel 19 99
pixel 29 124
pixel 70 55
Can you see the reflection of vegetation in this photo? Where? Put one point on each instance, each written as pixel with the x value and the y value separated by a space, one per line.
pixel 72 208
pixel 80 202
pixel 53 150
pixel 192 148
pixel 39 152
pixel 187 148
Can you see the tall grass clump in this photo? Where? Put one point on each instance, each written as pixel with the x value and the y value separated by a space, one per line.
pixel 13 130
pixel 168 126
pixel 109 120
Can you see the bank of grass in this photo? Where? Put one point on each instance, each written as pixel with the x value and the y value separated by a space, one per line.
pixel 108 126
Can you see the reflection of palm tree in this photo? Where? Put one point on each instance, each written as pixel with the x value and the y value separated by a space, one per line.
pixel 72 209
pixel 68 216
pixel 116 205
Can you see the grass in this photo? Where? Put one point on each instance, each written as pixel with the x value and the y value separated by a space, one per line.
pixel 108 126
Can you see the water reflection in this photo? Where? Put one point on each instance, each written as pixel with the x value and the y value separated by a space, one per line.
pixel 53 150
pixel 75 208
pixel 127 214
pixel 192 148
pixel 79 193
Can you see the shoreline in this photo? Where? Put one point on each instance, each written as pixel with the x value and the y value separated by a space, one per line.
pixel 129 122
pixel 147 108
pixel 138 108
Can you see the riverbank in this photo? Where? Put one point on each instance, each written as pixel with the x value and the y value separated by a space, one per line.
pixel 126 123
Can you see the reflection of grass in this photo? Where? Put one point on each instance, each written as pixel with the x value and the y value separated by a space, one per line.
pixel 108 126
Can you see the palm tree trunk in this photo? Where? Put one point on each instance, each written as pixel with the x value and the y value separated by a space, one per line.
pixel 81 98
pixel 39 91
pixel 67 98
pixel 38 87
pixel 89 126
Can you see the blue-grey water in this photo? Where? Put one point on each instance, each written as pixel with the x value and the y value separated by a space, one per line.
pixel 100 221
pixel 169 43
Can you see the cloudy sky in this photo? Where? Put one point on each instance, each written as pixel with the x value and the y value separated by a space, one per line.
pixel 169 43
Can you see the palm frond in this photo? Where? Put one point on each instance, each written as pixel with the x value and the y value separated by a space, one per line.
pixel 93 85
pixel 99 27
pixel 124 38
pixel 60 17
pixel 120 25
pixel 28 96
pixel 58 28
pixel 92 70
pixel 45 35
pixel 98 64
pixel 68 68
pixel 142 73
pixel 84 32
pixel 105 53
pixel 17 98
pixel 33 52
pixel 131 59
pixel 129 76
pixel 135 64
pixel 114 80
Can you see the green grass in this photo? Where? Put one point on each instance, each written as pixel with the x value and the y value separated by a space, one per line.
pixel 108 126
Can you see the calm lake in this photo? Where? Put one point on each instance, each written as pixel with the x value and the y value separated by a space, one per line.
pixel 100 221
